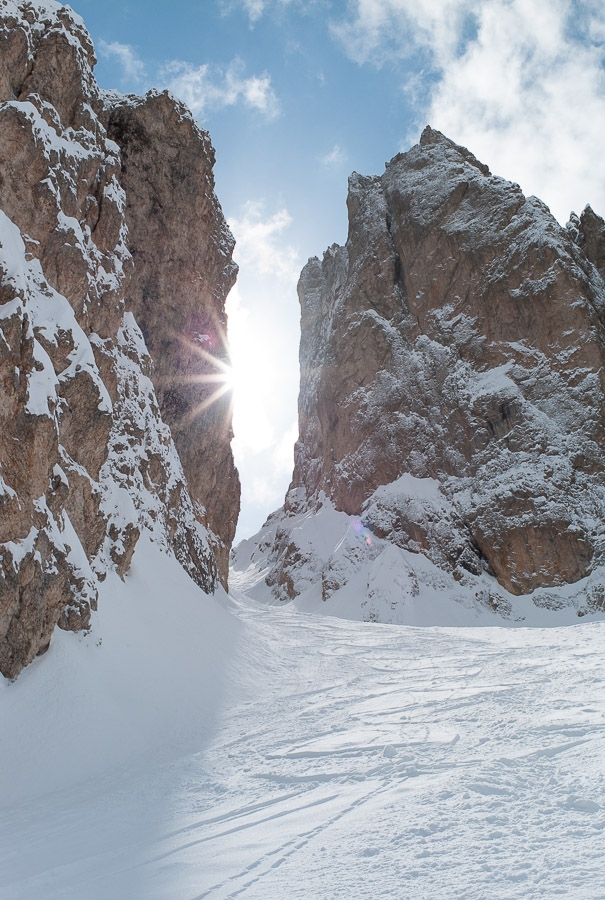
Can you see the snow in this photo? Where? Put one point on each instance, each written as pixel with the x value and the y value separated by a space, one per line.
pixel 6 489
pixel 52 315
pixel 49 8
pixel 41 384
pixel 492 382
pixel 123 692
pixel 194 746
pixel 164 510
pixel 337 565
pixel 13 256
pixel 409 485
pixel 18 550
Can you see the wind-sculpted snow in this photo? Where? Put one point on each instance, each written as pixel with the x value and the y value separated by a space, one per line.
pixel 279 754
pixel 456 341
pixel 88 460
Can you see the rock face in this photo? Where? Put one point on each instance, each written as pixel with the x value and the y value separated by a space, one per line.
pixel 452 384
pixel 98 194
pixel 183 271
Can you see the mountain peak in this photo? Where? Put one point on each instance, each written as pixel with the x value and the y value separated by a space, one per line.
pixel 451 406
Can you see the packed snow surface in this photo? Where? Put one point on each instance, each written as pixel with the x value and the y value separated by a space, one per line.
pixel 195 747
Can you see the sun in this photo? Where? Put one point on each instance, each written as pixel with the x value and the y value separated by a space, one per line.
pixel 236 376
pixel 205 363
pixel 223 378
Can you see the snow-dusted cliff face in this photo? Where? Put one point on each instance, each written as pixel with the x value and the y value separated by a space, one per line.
pixel 451 409
pixel 97 192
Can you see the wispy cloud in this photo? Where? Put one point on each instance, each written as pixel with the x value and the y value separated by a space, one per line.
pixel 521 82
pixel 379 31
pixel 207 87
pixel 132 66
pixel 335 157
pixel 203 88
pixel 255 9
pixel 260 242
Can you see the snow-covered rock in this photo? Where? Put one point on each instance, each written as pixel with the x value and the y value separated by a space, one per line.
pixel 88 327
pixel 452 395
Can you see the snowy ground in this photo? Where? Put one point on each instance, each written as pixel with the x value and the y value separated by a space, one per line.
pixel 226 749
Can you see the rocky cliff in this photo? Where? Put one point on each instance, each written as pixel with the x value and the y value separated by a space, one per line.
pixel 115 262
pixel 451 410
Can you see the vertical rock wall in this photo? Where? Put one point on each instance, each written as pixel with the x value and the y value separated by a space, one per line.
pixel 452 379
pixel 183 271
pixel 87 457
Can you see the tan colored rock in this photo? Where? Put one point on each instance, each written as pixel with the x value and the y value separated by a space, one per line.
pixel 87 459
pixel 183 272
pixel 589 233
pixel 456 339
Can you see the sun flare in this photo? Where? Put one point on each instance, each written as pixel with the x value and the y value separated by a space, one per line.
pixel 222 379
pixel 205 364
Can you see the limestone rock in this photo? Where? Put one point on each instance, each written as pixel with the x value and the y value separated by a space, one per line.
pixel 452 380
pixel 182 274
pixel 87 458
pixel 588 231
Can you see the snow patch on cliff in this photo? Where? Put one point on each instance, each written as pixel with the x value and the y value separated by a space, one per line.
pixel 336 565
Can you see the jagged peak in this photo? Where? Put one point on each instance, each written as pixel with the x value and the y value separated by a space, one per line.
pixel 431 139
pixel 451 396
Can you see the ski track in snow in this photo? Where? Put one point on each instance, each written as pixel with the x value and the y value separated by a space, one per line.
pixel 357 760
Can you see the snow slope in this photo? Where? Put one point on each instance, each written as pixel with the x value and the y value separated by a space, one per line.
pixel 222 748
pixel 336 565
pixel 146 681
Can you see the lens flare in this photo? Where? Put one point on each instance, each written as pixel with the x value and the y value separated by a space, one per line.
pixel 203 359
pixel 363 533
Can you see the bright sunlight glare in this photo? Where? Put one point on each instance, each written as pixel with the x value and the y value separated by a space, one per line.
pixel 252 377
pixel 265 390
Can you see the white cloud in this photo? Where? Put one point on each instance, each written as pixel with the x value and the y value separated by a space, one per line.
pixel 260 244
pixel 255 9
pixel 520 82
pixel 530 100
pixel 383 30
pixel 132 66
pixel 336 156
pixel 204 88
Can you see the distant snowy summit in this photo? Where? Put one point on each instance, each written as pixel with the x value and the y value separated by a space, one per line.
pixel 114 258
pixel 451 409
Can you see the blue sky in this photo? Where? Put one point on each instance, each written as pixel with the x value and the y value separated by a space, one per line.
pixel 296 95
